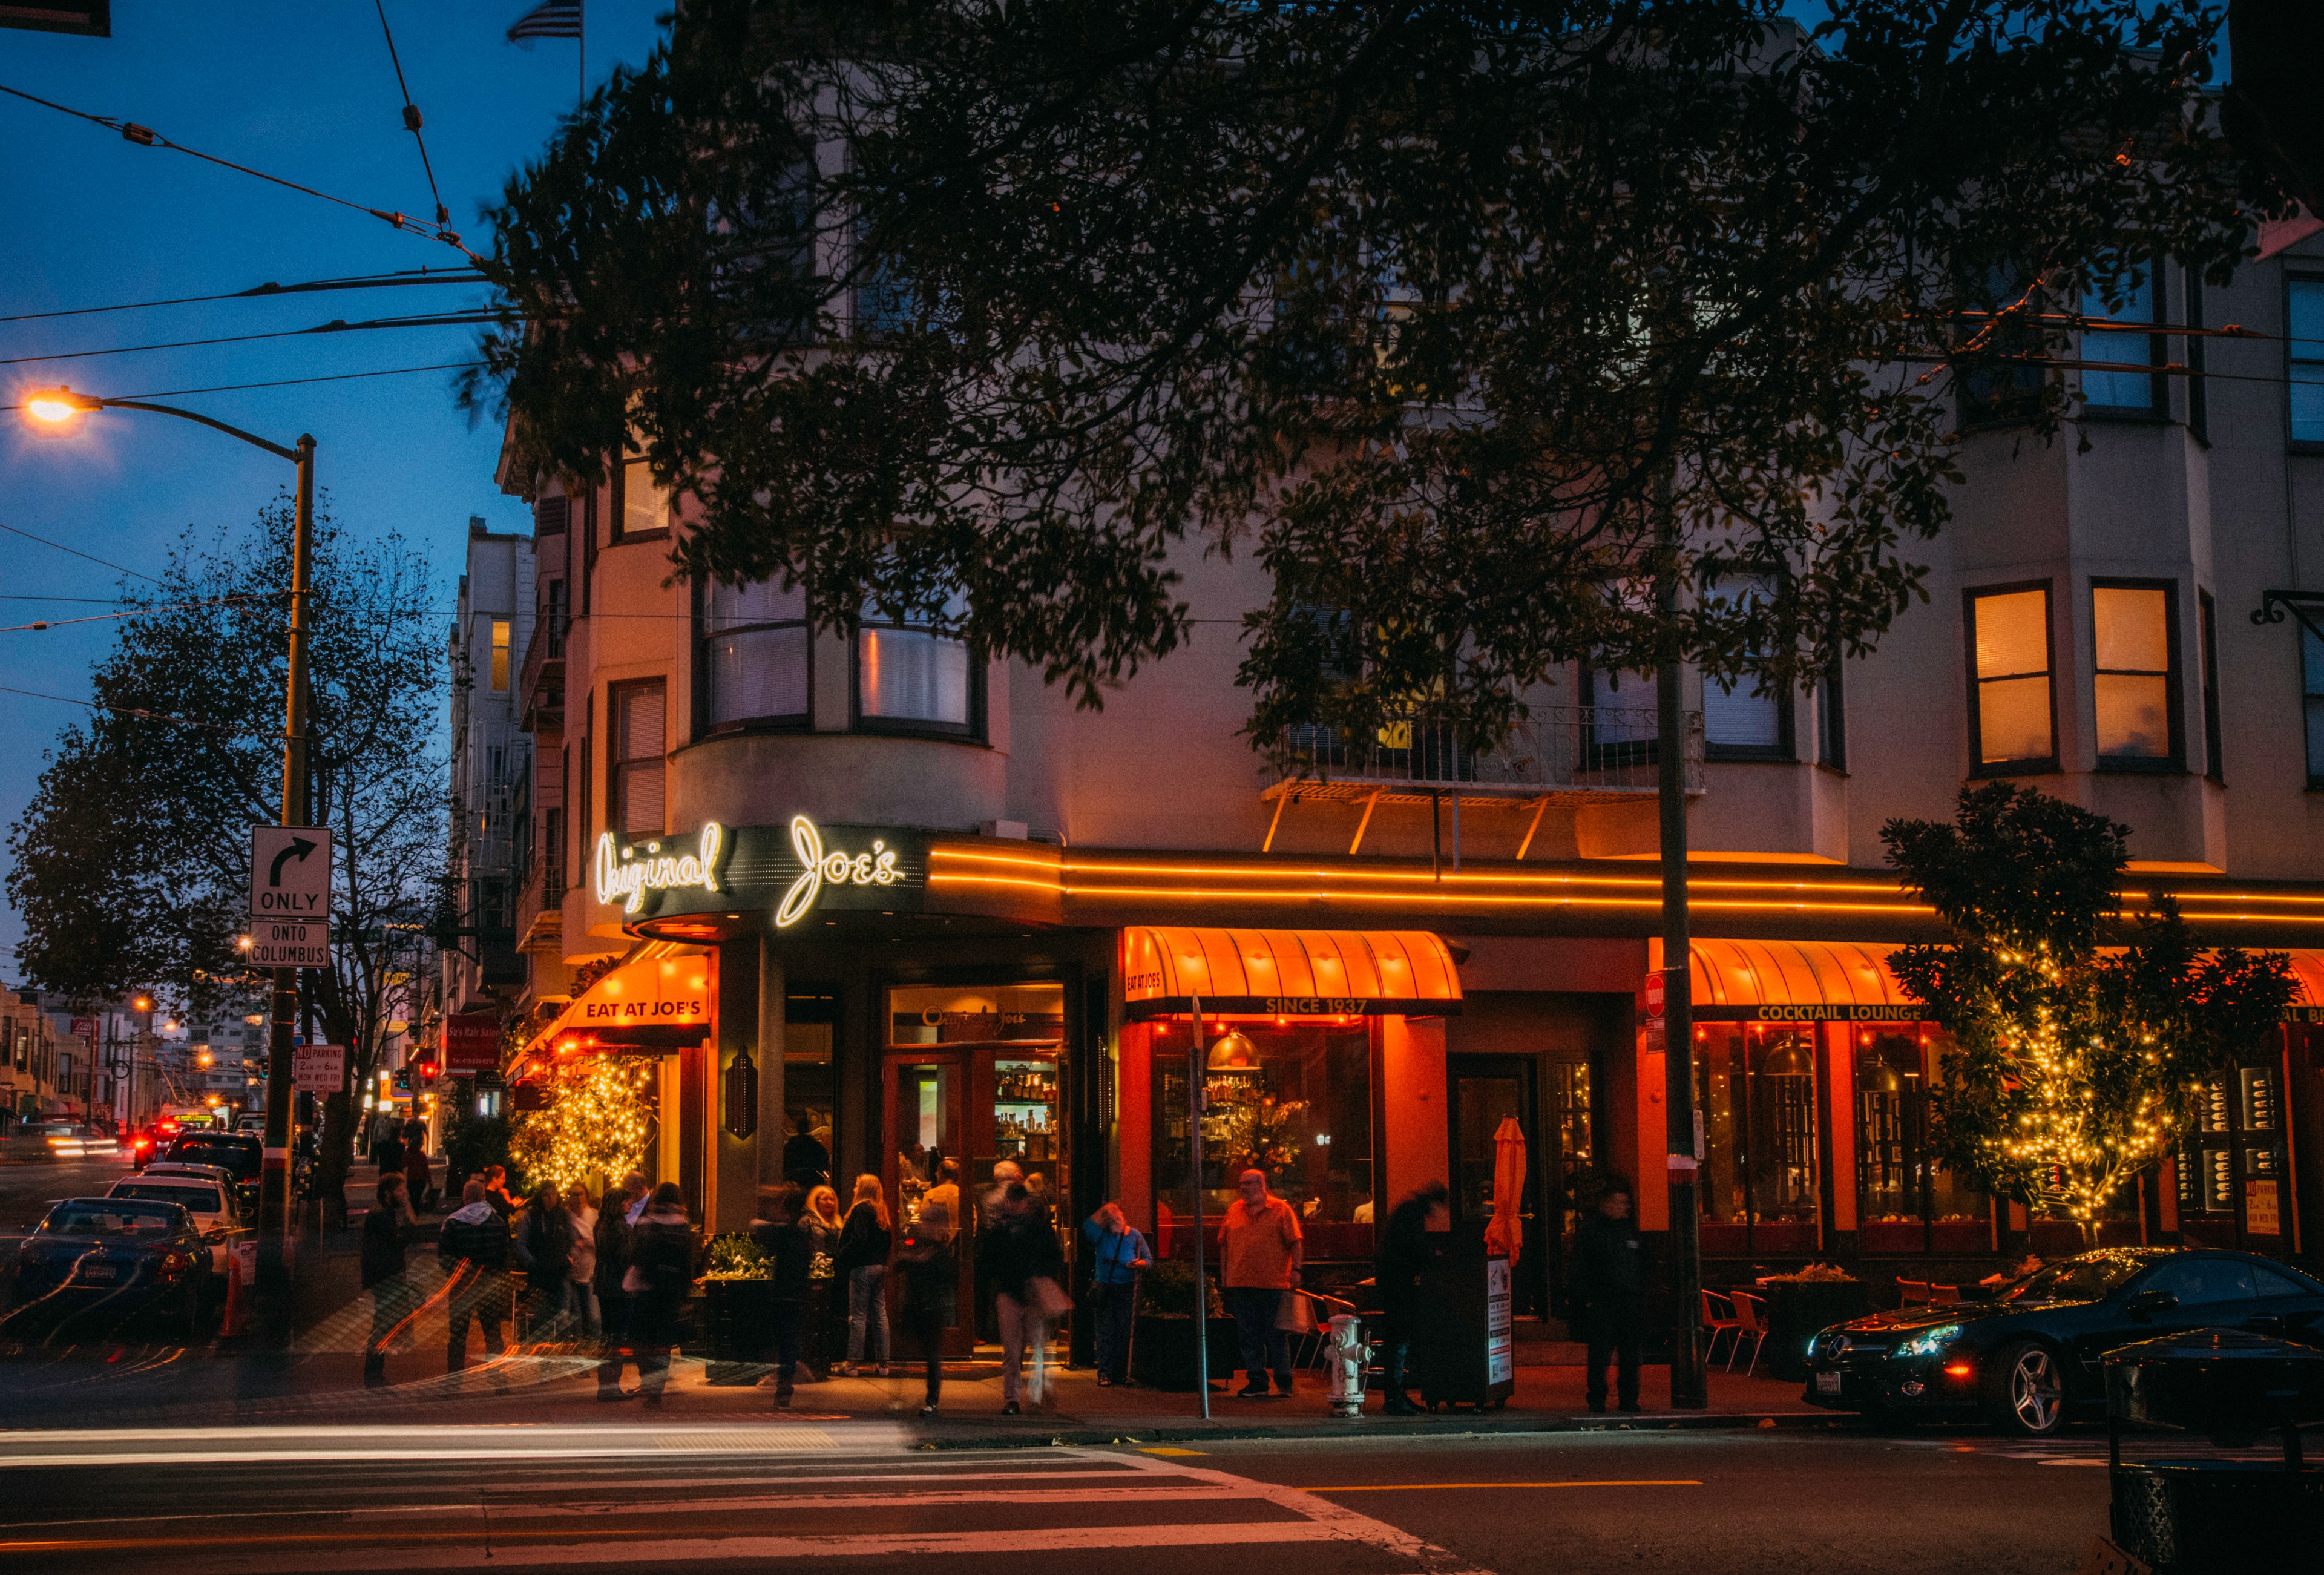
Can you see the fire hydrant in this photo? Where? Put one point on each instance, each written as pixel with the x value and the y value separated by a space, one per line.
pixel 1349 1355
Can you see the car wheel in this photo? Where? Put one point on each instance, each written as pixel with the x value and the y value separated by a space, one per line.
pixel 2026 1394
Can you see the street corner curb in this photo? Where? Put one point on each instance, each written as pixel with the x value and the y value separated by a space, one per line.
pixel 965 1434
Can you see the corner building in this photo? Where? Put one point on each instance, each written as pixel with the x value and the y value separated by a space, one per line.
pixel 880 897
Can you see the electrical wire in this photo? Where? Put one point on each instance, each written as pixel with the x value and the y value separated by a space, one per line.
pixel 124 613
pixel 167 393
pixel 373 281
pixel 336 325
pixel 411 116
pixel 145 136
pixel 134 713
pixel 77 552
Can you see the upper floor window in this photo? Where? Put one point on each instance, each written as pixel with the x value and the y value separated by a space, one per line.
pixel 636 757
pixel 2305 317
pixel 1624 723
pixel 910 676
pixel 2133 673
pixel 500 656
pixel 2127 392
pixel 755 650
pixel 643 508
pixel 2311 690
pixel 1832 716
pixel 2208 617
pixel 1741 720
pixel 2012 720
pixel 2011 388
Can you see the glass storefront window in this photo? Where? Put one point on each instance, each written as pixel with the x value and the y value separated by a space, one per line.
pixel 1905 1201
pixel 1757 1089
pixel 1292 1100
pixel 977 1082
pixel 1568 1114
pixel 809 1021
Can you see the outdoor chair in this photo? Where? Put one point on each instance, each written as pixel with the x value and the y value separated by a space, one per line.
pixel 1751 1319
pixel 1719 1317
pixel 1943 1295
pixel 1915 1292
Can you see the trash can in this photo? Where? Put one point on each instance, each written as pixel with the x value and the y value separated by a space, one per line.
pixel 1463 1345
pixel 2192 1517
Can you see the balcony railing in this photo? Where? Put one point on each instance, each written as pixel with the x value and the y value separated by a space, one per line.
pixel 540 903
pixel 1561 753
pixel 540 682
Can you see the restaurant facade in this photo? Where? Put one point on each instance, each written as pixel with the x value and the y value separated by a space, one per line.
pixel 874 903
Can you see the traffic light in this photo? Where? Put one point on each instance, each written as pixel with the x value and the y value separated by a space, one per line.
pixel 428 1070
pixel 403 1081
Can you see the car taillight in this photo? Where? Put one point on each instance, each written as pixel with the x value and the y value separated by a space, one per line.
pixel 175 1263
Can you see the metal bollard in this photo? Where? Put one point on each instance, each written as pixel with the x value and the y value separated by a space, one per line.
pixel 1349 1355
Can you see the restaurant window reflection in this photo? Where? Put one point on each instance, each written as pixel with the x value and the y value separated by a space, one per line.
pixel 1756 1086
pixel 1905 1202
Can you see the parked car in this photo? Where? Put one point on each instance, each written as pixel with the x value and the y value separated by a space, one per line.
pixel 239 1154
pixel 203 1191
pixel 115 1260
pixel 2027 1359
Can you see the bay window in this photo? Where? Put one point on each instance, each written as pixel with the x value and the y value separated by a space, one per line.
pixel 636 759
pixel 2012 719
pixel 912 676
pixel 2134 676
pixel 2134 390
pixel 756 648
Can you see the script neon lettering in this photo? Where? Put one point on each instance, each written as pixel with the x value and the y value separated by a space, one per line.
pixel 623 875
pixel 818 868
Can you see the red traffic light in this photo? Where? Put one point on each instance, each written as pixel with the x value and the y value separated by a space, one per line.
pixel 428 1070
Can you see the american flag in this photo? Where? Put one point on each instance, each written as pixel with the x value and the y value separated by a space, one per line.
pixel 551 18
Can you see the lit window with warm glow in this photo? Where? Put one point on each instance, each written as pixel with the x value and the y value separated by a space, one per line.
pixel 2133 674
pixel 500 656
pixel 2011 722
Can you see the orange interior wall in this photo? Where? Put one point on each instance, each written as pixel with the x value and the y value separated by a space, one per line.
pixel 1839 1114
pixel 1651 1144
pixel 1413 1146
pixel 1133 1118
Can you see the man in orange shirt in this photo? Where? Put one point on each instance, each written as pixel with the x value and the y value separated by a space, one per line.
pixel 1260 1242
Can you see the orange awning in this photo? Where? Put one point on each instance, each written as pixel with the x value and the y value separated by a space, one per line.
pixel 1288 973
pixel 663 997
pixel 1795 981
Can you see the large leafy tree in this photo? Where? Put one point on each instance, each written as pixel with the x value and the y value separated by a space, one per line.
pixel 2079 1038
pixel 130 867
pixel 1502 335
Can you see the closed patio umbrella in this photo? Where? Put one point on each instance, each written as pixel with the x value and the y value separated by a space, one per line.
pixel 1506 1231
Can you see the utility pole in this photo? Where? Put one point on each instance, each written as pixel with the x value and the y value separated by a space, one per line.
pixel 1688 1385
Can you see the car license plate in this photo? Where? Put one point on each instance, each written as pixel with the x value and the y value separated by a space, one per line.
pixel 1827 1383
pixel 99 1271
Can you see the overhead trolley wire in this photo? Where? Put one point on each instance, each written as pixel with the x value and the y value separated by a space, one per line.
pixel 145 136
pixel 336 325
pixel 166 394
pixel 77 552
pixel 256 291
pixel 411 116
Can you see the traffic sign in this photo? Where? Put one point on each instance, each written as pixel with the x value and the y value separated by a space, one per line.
pixel 290 873
pixel 289 943
pixel 318 1069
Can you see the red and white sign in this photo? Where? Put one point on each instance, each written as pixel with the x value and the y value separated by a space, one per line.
pixel 472 1042
pixel 1655 993
pixel 318 1069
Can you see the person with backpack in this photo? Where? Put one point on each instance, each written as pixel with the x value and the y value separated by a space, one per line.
pixel 474 1248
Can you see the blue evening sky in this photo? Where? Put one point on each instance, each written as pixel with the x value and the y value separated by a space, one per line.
pixel 304 92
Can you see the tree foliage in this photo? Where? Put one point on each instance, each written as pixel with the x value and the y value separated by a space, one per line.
pixel 2079 1038
pixel 1472 322
pixel 131 865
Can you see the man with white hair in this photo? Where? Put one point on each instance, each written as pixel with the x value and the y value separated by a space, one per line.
pixel 1260 1242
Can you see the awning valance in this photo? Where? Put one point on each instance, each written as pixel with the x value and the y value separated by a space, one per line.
pixel 1288 973
pixel 1795 981
pixel 662 996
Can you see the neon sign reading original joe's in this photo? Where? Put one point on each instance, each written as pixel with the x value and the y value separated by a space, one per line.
pixel 621 876
pixel 876 868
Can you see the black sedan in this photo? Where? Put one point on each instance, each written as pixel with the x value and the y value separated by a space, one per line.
pixel 2028 1357
pixel 238 1154
pixel 98 1261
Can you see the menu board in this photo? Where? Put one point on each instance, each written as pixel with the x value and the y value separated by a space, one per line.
pixel 1500 1352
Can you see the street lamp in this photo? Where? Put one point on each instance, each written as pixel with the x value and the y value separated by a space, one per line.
pixel 57 407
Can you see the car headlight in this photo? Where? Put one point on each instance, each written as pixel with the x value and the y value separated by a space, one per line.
pixel 1930 1342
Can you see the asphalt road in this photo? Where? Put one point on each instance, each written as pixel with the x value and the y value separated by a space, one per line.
pixel 858 1496
pixel 27 1189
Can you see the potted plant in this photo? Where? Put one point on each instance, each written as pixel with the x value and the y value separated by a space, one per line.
pixel 738 1288
pixel 1800 1304
pixel 1162 1343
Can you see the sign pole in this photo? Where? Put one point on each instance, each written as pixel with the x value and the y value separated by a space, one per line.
pixel 1195 1101
pixel 1688 1383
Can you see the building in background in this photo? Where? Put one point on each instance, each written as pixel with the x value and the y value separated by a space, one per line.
pixel 491 774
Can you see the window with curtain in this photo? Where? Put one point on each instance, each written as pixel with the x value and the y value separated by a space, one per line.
pixel 2305 352
pixel 639 734
pixel 1741 721
pixel 2131 673
pixel 500 674
pixel 2011 722
pixel 910 676
pixel 2129 391
pixel 755 650
pixel 645 507
pixel 1622 718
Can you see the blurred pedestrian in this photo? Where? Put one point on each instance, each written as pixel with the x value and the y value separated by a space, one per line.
pixel 1006 1173
pixel 929 1266
pixel 1260 1246
pixel 805 1160
pixel 945 1193
pixel 496 1192
pixel 615 1236
pixel 417 1182
pixel 1405 1252
pixel 640 1193
pixel 387 1230
pixel 474 1248
pixel 1607 1292
pixel 781 1234
pixel 1117 1253
pixel 387 1148
pixel 1018 1255
pixel 659 1277
pixel 865 1241
pixel 544 1251
pixel 581 1271
pixel 823 1328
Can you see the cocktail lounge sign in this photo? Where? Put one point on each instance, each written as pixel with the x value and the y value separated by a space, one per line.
pixel 790 871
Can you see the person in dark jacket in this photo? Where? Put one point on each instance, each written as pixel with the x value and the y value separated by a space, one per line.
pixel 661 1275
pixel 613 1236
pixel 1413 1236
pixel 419 1180
pixel 781 1234
pixel 929 1266
pixel 1017 1247
pixel 387 1150
pixel 544 1251
pixel 393 1297
pixel 864 1242
pixel 474 1248
pixel 1607 1295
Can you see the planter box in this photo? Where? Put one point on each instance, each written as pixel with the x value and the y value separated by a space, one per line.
pixel 2217 1518
pixel 1796 1310
pixel 738 1320
pixel 1162 1350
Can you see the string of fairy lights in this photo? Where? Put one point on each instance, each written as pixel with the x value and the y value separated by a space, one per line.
pixel 597 1126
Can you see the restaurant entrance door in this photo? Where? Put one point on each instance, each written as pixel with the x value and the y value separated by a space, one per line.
pixel 1486 1091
